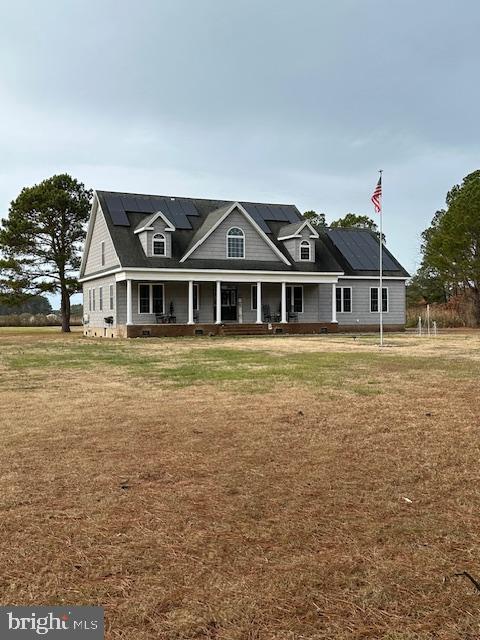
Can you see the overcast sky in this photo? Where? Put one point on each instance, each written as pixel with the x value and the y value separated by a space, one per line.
pixel 299 102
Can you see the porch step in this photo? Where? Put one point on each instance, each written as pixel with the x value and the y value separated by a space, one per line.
pixel 244 330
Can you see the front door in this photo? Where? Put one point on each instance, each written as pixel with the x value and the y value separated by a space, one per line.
pixel 229 303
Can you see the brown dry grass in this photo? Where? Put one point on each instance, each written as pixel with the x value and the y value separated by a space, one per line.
pixel 205 511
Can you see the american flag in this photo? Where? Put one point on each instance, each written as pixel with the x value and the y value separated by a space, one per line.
pixel 377 196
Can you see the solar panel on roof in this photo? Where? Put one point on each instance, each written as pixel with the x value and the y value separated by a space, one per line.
pixel 177 210
pixel 253 210
pixel 116 210
pixel 129 203
pixel 145 204
pixel 274 213
pixel 291 213
pixel 172 208
pixel 119 218
pixel 188 207
pixel 360 249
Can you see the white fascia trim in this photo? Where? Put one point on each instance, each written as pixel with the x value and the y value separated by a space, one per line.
pixel 295 235
pixel 224 275
pixel 168 225
pixel 237 205
pixel 344 277
pixel 313 231
pixel 100 275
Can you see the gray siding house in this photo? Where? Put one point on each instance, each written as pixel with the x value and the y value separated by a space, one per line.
pixel 161 265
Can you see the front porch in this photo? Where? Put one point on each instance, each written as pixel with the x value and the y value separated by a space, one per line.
pixel 241 304
pixel 163 304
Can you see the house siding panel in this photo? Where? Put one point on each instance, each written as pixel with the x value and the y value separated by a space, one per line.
pixel 361 314
pixel 146 238
pixel 100 234
pixel 215 246
pixel 293 246
pixel 96 318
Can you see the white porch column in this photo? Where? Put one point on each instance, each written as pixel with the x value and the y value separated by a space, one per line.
pixel 334 302
pixel 284 303
pixel 190 302
pixel 259 303
pixel 218 306
pixel 129 302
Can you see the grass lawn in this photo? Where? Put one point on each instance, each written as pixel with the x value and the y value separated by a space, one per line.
pixel 244 488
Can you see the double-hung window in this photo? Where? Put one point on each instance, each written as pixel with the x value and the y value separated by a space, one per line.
pixel 374 307
pixel 157 298
pixel 159 245
pixel 100 299
pixel 93 299
pixel 344 299
pixel 196 297
pixel 143 298
pixel 295 299
pixel 110 291
pixel 89 299
pixel 305 250
pixel 151 298
pixel 253 297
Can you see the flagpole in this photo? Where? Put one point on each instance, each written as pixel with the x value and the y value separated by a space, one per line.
pixel 380 292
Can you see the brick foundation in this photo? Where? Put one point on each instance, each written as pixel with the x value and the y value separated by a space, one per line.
pixel 177 330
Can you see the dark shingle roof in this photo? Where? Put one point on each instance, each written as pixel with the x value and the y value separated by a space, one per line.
pixel 193 217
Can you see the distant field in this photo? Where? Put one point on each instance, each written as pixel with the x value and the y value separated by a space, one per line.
pixel 263 488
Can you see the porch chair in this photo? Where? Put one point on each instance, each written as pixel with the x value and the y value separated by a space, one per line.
pixel 196 316
pixel 267 314
pixel 160 318
pixel 278 315
pixel 292 316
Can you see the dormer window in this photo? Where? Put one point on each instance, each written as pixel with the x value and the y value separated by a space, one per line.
pixel 235 243
pixel 305 250
pixel 159 245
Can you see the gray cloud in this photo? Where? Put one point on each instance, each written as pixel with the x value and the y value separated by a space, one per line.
pixel 299 102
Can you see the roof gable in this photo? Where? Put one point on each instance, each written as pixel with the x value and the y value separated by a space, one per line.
pixel 147 225
pixel 98 232
pixel 213 221
pixel 295 230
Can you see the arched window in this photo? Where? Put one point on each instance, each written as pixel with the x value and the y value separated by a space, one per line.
pixel 235 243
pixel 305 250
pixel 159 245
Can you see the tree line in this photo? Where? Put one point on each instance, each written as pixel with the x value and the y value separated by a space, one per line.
pixel 42 237
pixel 450 250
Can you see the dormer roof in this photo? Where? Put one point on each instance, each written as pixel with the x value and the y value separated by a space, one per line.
pixel 294 230
pixel 147 224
